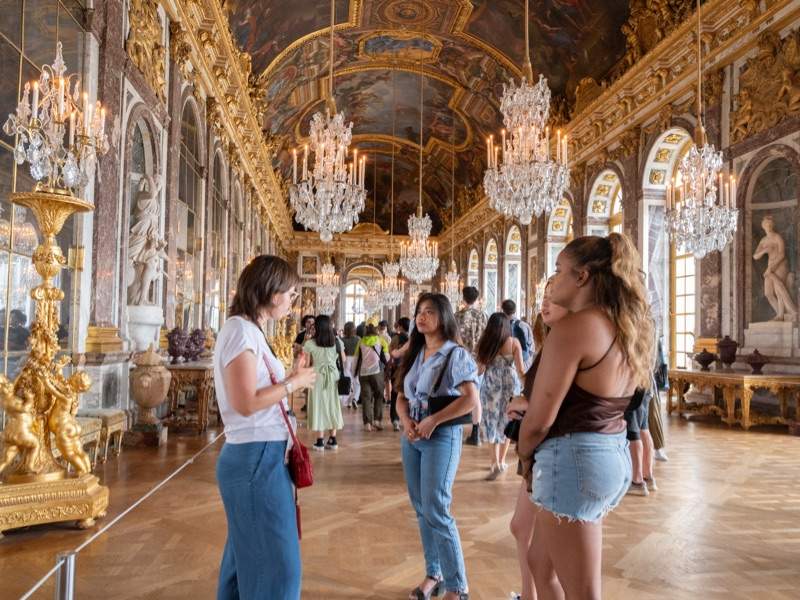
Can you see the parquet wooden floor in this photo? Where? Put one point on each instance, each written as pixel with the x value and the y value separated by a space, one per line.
pixel 725 524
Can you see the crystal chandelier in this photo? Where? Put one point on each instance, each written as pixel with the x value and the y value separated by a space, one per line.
pixel 373 298
pixel 701 208
pixel 451 282
pixel 327 289
pixel 392 283
pixel 330 196
pixel 419 257
pixel 522 179
pixel 53 108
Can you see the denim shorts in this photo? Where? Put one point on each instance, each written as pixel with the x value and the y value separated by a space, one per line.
pixel 581 476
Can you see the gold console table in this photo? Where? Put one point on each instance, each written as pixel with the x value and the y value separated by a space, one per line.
pixel 199 375
pixel 734 385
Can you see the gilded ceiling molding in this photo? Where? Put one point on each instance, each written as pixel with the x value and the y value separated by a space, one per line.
pixel 769 85
pixel 354 20
pixel 225 75
pixel 667 72
pixel 144 44
pixel 359 243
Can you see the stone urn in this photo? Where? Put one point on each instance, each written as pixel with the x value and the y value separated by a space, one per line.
pixel 727 351
pixel 704 359
pixel 149 385
pixel 756 360
pixel 144 325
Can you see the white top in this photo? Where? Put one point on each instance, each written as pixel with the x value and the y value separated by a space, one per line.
pixel 236 336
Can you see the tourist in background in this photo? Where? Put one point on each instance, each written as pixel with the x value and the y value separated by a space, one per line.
pixel 471 323
pixel 656 427
pixel 251 389
pixel 592 361
pixel 524 519
pixel 499 358
pixel 324 408
pixel 520 330
pixel 371 359
pixel 434 368
pixel 640 445
pixel 399 340
pixel 350 341
pixel 305 333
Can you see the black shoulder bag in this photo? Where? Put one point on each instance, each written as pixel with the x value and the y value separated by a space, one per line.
pixel 344 385
pixel 437 403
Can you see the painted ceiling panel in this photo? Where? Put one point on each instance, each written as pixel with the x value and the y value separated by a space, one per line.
pixel 467 48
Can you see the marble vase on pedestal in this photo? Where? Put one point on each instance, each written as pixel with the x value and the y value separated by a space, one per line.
pixel 149 387
pixel 144 326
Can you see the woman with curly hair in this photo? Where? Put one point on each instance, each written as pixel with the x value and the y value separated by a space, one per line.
pixel 574 428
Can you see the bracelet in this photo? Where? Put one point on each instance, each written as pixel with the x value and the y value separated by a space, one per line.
pixel 288 385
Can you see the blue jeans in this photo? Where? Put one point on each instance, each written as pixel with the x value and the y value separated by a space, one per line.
pixel 430 468
pixel 581 476
pixel 262 553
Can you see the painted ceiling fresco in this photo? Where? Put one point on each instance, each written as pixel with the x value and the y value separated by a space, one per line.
pixel 467 50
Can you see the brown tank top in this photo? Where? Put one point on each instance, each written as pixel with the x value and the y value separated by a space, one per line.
pixel 582 411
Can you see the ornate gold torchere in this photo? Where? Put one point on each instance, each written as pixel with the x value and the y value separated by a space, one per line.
pixel 41 403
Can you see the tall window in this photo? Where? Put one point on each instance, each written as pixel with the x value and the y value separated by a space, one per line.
pixel 25 44
pixel 474 270
pixel 490 278
pixel 682 310
pixel 354 295
pixel 215 248
pixel 189 267
pixel 513 268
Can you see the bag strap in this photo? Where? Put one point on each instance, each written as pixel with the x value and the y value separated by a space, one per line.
pixel 442 372
pixel 275 381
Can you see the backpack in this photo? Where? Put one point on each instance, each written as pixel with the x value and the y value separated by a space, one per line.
pixel 518 332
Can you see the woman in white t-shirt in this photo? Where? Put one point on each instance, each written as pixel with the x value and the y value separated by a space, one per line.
pixel 262 553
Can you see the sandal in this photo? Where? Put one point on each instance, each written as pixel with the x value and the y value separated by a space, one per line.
pixel 418 594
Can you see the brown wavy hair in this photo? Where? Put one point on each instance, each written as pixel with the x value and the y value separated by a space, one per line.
pixel 614 264
pixel 260 280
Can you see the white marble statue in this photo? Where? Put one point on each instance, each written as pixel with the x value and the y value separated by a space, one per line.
pixel 146 247
pixel 777 276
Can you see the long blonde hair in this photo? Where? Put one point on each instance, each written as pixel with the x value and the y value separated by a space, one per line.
pixel 614 265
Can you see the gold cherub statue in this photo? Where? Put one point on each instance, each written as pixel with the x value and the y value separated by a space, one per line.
pixel 19 435
pixel 61 420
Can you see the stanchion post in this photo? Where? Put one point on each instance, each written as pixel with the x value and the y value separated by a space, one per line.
pixel 65 576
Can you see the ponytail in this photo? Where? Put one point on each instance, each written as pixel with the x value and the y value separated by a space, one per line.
pixel 615 266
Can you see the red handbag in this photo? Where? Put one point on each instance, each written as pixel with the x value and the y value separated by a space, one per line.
pixel 300 469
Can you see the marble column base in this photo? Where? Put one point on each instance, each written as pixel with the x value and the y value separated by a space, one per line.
pixel 147 434
pixel 110 382
pixel 772 338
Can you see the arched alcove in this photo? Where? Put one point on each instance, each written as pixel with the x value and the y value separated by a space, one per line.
pixel 559 234
pixel 671 276
pixel 604 210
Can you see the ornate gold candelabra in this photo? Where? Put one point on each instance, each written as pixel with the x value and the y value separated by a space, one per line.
pixel 41 403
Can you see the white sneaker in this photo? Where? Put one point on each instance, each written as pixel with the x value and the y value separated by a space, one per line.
pixel 661 455
pixel 638 489
pixel 650 482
